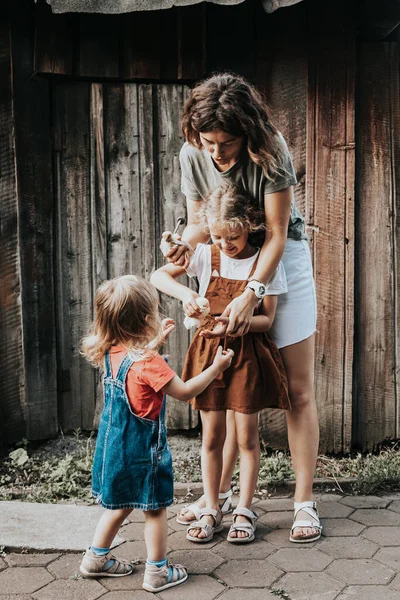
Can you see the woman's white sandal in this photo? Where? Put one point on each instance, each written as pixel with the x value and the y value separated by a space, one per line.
pixel 209 530
pixel 311 509
pixel 226 508
pixel 249 528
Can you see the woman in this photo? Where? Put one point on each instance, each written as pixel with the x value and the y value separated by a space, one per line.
pixel 229 134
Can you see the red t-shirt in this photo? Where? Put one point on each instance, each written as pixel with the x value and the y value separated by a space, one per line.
pixel 144 381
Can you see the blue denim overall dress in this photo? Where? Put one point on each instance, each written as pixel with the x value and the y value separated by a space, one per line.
pixel 132 466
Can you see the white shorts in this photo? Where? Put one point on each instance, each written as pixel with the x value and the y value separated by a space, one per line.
pixel 296 313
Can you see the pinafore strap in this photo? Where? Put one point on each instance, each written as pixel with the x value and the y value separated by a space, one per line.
pixel 216 262
pixel 107 365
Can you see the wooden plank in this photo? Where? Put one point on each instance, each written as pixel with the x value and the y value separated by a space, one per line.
pixel 98 213
pixel 330 184
pixel 377 156
pixel 35 213
pixel 99 45
pixel 13 403
pixel 141 49
pixel 125 232
pixel 282 74
pixel 55 39
pixel 169 42
pixel 192 26
pixel 73 256
pixel 395 149
pixel 172 204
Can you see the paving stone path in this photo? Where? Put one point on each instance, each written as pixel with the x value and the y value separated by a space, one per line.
pixel 358 558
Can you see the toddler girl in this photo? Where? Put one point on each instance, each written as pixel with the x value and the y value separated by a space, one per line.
pixel 256 378
pixel 132 465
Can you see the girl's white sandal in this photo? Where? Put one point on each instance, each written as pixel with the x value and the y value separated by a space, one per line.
pixel 311 509
pixel 209 530
pixel 249 527
pixel 226 508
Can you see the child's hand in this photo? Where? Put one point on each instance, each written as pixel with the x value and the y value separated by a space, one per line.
pixel 218 331
pixel 190 306
pixel 167 327
pixel 179 255
pixel 223 359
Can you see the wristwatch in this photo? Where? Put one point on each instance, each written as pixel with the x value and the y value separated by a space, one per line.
pixel 258 288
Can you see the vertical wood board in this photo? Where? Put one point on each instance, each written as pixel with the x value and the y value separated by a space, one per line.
pixel 35 215
pixel 74 266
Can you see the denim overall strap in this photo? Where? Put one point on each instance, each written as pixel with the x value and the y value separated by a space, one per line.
pixel 107 365
pixel 162 430
pixel 124 367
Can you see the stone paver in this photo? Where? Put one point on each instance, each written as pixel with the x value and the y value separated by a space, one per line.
pixel 384 536
pixel 138 595
pixel 30 560
pixel 257 549
pixel 68 589
pixel 248 573
pixel 360 571
pixel 370 592
pixel 198 587
pixel 310 586
pixel 365 502
pixel 358 558
pixel 248 594
pixel 390 557
pixel 197 561
pixel 66 566
pixel 348 547
pixel 341 527
pixel 20 580
pixel 375 518
pixel 300 559
pixel 334 510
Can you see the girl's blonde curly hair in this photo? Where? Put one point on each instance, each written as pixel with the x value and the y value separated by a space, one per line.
pixel 126 313
pixel 228 205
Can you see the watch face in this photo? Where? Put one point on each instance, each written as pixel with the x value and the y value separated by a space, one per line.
pixel 262 290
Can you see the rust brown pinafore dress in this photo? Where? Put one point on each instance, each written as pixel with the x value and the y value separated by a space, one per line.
pixel 256 378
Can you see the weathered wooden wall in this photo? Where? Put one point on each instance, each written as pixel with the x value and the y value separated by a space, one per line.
pixel 97 179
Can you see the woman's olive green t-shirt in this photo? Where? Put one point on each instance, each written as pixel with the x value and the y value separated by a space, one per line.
pixel 200 176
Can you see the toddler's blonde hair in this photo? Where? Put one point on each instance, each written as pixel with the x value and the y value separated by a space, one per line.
pixel 121 307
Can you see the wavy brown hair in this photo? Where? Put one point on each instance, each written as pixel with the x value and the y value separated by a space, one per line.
pixel 228 205
pixel 229 102
pixel 121 307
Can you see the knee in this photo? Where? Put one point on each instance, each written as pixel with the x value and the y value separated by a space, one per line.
pixel 213 442
pixel 248 443
pixel 301 395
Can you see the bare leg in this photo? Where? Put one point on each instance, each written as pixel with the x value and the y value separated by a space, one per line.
pixel 155 533
pixel 249 448
pixel 214 432
pixel 230 453
pixel 302 421
pixel 230 456
pixel 108 526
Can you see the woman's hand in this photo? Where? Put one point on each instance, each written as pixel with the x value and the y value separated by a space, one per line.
pixel 239 313
pixel 218 331
pixel 190 306
pixel 179 256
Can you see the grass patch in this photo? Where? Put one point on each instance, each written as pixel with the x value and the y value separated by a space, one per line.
pixel 60 470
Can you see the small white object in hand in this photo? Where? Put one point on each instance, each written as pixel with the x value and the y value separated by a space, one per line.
pixel 169 239
pixel 204 306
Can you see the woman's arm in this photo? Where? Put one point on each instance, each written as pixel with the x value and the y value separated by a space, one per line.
pixel 182 390
pixel 164 279
pixel 277 214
